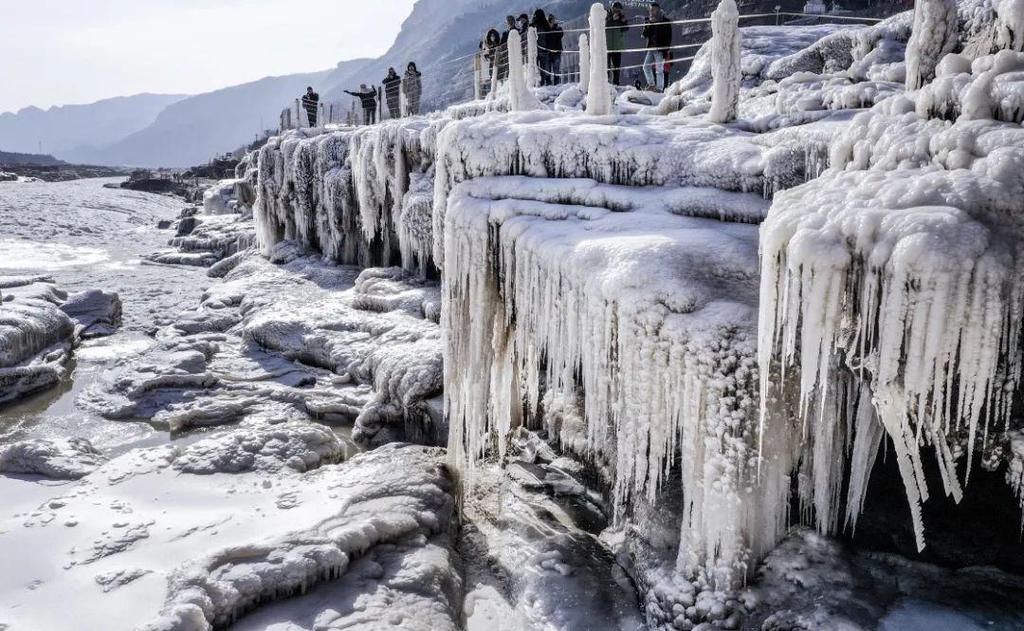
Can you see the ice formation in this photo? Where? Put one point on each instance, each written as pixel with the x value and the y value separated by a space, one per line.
pixel 725 62
pixel 39 328
pixel 558 300
pixel 59 459
pixel 891 286
pixel 211 547
pixel 521 98
pixel 599 102
pixel 933 34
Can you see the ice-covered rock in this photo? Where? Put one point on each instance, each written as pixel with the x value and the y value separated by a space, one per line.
pixel 59 459
pixel 95 313
pixel 227 197
pixel 298 446
pixel 39 327
pixel 142 543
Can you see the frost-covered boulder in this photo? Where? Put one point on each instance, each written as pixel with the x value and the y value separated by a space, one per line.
pixel 59 459
pixel 36 337
pixel 298 446
pixel 211 548
pixel 96 313
pixel 990 87
pixel 230 196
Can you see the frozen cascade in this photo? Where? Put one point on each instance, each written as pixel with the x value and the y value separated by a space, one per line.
pixel 933 34
pixel 725 62
pixel 553 301
pixel 902 272
pixel 599 95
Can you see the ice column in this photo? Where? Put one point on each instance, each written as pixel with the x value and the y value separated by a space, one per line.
pixel 533 70
pixel 584 63
pixel 725 62
pixel 933 35
pixel 599 96
pixel 520 98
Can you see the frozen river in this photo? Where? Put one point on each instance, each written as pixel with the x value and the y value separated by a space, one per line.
pixel 85 235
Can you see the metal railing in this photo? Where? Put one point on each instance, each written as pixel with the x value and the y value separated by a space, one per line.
pixel 490 66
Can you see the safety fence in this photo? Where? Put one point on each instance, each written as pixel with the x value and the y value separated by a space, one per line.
pixel 544 65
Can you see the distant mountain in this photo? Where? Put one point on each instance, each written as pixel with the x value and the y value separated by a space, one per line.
pixel 8 158
pixel 195 129
pixel 61 130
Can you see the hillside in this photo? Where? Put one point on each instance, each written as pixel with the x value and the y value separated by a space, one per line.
pixel 63 130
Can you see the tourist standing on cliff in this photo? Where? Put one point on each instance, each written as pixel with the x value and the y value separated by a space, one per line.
pixel 368 98
pixel 393 93
pixel 491 47
pixel 502 60
pixel 555 43
pixel 413 89
pixel 658 34
pixel 615 27
pixel 311 103
pixel 540 23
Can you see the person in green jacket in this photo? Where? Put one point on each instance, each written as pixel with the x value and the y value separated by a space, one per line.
pixel 615 30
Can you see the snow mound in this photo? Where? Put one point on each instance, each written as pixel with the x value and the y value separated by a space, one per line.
pixel 298 446
pixel 59 459
pixel 989 88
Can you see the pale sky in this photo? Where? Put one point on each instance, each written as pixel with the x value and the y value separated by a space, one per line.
pixel 58 52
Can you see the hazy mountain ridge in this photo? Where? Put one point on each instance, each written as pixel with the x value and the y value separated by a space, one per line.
pixel 63 129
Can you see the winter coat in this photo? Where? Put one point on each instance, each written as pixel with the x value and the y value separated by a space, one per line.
pixel 368 99
pixel 392 87
pixel 413 89
pixel 554 40
pixel 658 34
pixel 310 103
pixel 616 31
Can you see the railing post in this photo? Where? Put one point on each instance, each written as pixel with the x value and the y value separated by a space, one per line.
pixel 584 62
pixel 599 93
pixel 477 76
pixel 725 62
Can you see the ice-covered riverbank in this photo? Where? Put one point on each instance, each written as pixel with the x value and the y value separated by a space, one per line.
pixel 660 351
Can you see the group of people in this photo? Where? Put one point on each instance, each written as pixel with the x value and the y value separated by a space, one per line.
pixel 410 85
pixel 549 45
pixel 656 36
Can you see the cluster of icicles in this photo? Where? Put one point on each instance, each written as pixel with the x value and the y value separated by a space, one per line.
pixel 914 334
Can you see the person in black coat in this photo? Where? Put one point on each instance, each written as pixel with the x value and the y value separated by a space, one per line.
pixel 502 58
pixel 540 22
pixel 393 93
pixel 311 103
pixel 491 47
pixel 657 34
pixel 555 43
pixel 368 98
